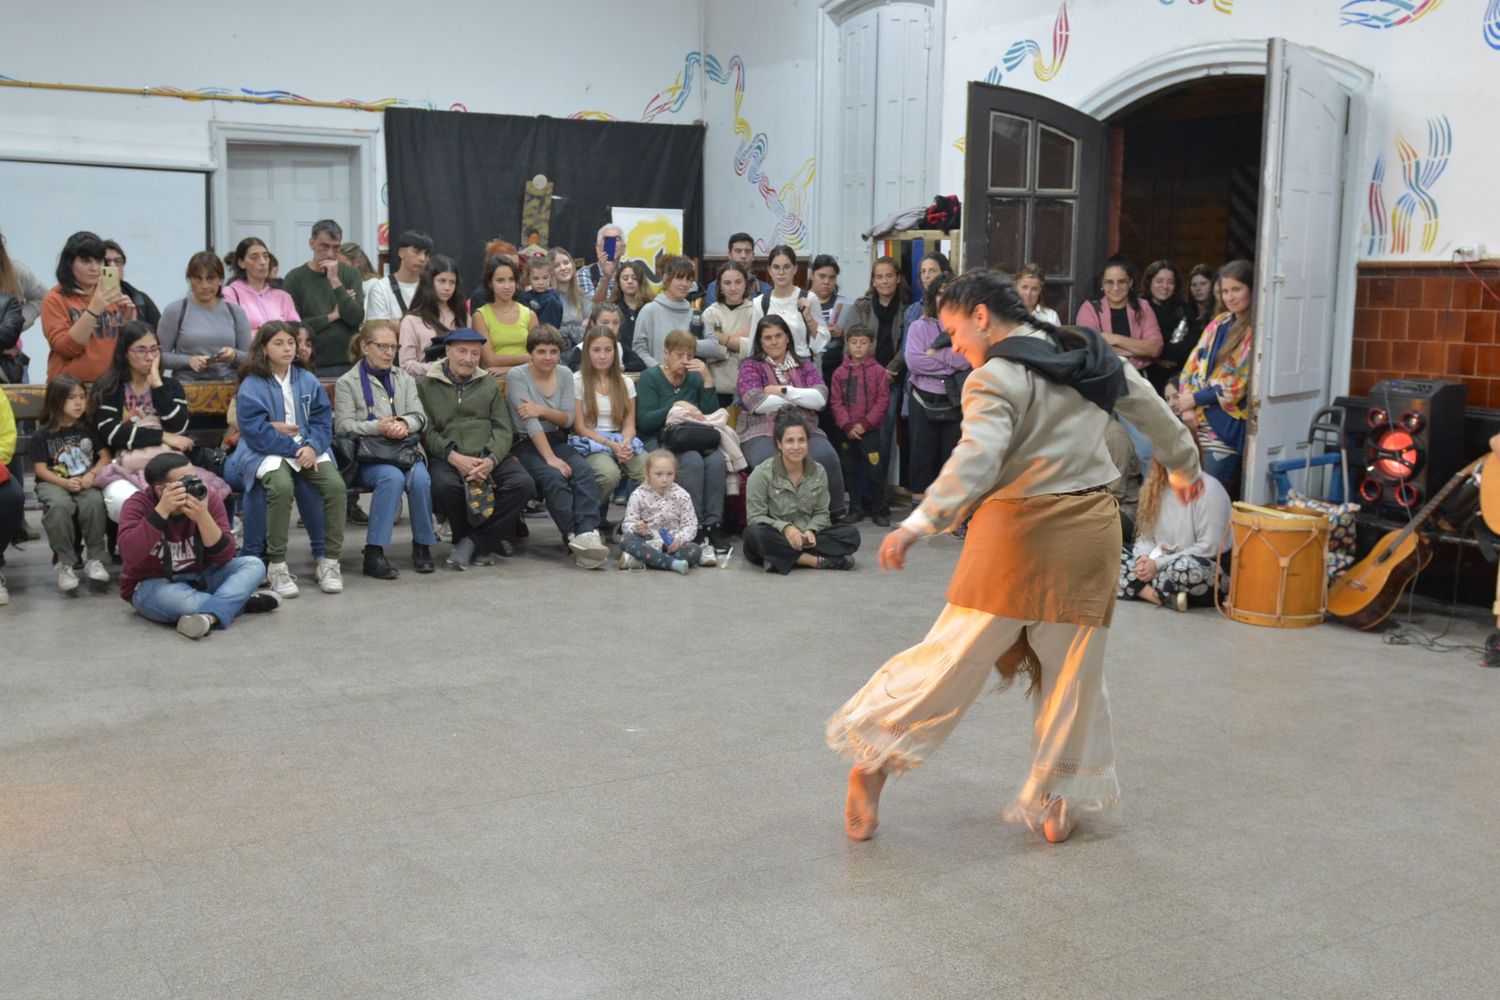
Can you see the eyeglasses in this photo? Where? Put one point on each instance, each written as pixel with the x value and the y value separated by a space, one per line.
pixel 145 352
pixel 114 261
pixel 384 348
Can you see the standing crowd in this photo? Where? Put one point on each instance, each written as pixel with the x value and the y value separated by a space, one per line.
pixel 754 404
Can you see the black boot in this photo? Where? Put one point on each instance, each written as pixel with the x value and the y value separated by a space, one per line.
pixel 421 558
pixel 354 513
pixel 377 565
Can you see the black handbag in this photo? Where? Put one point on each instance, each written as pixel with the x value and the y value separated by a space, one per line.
pixel 375 449
pixel 940 409
pixel 688 436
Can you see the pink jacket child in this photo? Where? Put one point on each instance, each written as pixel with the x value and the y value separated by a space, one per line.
pixel 860 393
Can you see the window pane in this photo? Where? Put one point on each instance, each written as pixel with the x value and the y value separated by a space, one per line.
pixel 1010 151
pixel 1056 298
pixel 1007 234
pixel 1057 161
pixel 1052 237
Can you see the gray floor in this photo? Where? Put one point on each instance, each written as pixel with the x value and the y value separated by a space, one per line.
pixel 531 781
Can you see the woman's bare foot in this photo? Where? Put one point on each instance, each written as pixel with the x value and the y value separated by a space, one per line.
pixel 862 807
pixel 1150 596
pixel 1058 822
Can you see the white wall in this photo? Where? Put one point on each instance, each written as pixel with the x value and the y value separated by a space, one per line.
pixel 1437 67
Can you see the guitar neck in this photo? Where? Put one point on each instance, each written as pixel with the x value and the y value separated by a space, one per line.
pixel 1430 507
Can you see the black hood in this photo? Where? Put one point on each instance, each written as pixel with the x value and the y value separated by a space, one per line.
pixel 1071 356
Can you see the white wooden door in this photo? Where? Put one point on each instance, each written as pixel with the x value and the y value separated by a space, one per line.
pixel 277 192
pixel 1302 174
pixel 901 109
pixel 856 130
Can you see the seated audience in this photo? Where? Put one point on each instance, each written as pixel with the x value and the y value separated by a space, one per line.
pixel 823 283
pixel 604 425
pixel 741 252
pixel 252 288
pixel 286 435
pixel 607 316
pixel 12 496
pixel 542 409
pixel 392 298
pixel 477 485
pixel 139 414
pixel 1213 394
pixel 597 281
pixel 179 566
pixel 576 306
pixel 329 298
pixel 81 316
pixel 936 419
pixel 375 399
pixel 1175 557
pixel 728 321
pixel 204 336
pixel 660 523
pixel 859 395
pixel 786 508
pixel 437 309
pixel 504 321
pixel 774 378
pixel 1127 326
pixel 796 307
pixel 632 292
pixel 66 456
pixel 545 304
pixel 1162 285
pixel 669 311
pixel 1031 282
pixel 145 309
pixel 683 381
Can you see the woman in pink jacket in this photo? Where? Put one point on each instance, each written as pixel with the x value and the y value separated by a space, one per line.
pixel 1128 324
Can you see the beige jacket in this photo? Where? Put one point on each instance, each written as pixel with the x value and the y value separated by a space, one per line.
pixel 1025 436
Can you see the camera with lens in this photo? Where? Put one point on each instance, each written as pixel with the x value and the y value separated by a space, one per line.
pixel 193 487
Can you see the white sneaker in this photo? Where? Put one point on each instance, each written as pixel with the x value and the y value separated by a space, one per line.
pixel 67 580
pixel 195 626
pixel 330 576
pixel 4 594
pixel 443 531
pixel 95 571
pixel 628 561
pixel 587 541
pixel 709 557
pixel 281 580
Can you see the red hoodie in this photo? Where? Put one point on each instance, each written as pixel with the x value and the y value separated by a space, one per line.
pixel 859 393
pixel 142 530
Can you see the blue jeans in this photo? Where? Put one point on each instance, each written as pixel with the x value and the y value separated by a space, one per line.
pixel 230 586
pixel 388 483
pixel 1143 449
pixel 253 517
pixel 1224 468
pixel 572 500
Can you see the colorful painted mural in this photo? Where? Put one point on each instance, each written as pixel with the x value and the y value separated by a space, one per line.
pixel 1492 25
pixel 1028 47
pixel 1419 173
pixel 1382 14
pixel 1222 6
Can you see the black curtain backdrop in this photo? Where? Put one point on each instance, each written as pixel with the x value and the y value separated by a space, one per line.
pixel 461 178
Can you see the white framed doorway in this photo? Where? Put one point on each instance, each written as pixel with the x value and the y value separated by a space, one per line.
pixel 879 100
pixel 276 182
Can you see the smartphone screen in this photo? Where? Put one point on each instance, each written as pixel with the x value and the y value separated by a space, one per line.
pixel 109 278
pixel 611 244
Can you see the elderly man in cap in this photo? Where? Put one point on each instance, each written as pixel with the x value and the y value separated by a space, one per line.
pixel 475 481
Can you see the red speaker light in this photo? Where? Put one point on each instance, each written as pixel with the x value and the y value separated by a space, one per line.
pixel 1395 455
pixel 1376 417
pixel 1413 421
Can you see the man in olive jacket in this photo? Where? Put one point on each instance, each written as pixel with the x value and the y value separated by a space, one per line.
pixel 476 483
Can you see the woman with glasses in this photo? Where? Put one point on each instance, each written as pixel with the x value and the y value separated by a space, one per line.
pixel 376 398
pixel 139 414
pixel 1127 324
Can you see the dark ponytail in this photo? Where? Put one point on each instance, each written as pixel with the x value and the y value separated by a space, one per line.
pixel 993 290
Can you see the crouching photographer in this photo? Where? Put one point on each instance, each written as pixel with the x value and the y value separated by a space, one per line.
pixel 178 552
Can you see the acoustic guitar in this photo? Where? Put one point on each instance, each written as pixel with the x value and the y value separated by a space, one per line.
pixel 1489 492
pixel 1367 594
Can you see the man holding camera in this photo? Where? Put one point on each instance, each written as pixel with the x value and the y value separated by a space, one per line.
pixel 178 554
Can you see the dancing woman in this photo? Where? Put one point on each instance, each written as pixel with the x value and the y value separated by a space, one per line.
pixel 1035 587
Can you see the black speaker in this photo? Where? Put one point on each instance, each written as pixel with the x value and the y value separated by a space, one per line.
pixel 1414 442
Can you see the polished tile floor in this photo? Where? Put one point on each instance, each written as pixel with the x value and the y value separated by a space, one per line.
pixel 531 781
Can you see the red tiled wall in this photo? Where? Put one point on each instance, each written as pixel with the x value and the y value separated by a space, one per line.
pixel 1428 321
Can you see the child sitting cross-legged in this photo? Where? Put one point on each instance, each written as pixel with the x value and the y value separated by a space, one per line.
pixel 659 522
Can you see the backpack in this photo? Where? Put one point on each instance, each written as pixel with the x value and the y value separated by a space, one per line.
pixel 945 213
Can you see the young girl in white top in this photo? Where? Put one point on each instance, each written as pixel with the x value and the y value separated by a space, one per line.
pixel 660 524
pixel 604 424
pixel 802 311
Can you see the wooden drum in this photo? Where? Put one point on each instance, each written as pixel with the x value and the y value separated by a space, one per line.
pixel 1277 578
